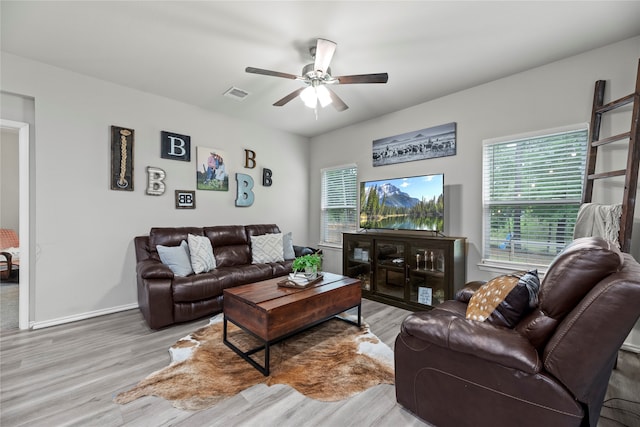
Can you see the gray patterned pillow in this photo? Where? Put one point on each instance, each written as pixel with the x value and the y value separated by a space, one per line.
pixel 202 259
pixel 267 248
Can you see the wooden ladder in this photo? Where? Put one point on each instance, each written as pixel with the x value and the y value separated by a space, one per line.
pixel 633 157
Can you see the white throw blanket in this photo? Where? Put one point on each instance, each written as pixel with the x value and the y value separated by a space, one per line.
pixel 598 221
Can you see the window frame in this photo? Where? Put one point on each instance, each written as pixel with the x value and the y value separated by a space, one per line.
pixel 499 265
pixel 323 209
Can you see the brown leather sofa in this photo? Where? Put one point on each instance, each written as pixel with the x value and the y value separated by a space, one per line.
pixel 551 369
pixel 165 299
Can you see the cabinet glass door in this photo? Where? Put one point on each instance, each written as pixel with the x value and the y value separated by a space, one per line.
pixel 358 260
pixel 390 268
pixel 426 274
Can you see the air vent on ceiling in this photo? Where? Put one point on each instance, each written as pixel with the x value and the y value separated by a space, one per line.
pixel 236 93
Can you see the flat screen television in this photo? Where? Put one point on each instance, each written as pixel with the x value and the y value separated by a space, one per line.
pixel 408 203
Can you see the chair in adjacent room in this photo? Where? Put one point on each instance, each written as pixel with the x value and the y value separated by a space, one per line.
pixel 9 255
pixel 545 363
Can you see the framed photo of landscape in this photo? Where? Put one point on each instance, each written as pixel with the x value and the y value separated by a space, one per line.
pixel 437 141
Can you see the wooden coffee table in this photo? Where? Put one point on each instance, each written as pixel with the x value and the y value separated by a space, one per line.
pixel 272 313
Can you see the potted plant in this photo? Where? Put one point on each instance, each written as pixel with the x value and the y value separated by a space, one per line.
pixel 309 263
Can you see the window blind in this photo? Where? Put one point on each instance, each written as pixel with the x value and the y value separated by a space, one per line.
pixel 339 202
pixel 532 190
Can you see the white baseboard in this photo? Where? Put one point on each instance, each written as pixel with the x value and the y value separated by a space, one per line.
pixel 81 316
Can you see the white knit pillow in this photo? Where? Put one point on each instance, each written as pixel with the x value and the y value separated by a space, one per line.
pixel 267 248
pixel 202 259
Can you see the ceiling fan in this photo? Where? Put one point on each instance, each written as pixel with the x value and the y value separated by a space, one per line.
pixel 317 76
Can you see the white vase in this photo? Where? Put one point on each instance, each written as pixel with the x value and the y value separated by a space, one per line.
pixel 311 273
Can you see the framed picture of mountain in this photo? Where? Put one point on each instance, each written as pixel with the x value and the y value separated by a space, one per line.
pixel 408 203
pixel 437 141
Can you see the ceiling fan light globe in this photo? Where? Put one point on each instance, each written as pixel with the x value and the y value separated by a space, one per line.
pixel 323 96
pixel 309 97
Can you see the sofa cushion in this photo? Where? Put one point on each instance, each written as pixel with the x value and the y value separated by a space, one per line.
pixel 505 300
pixel 171 236
pixel 267 248
pixel 577 269
pixel 287 246
pixel 230 245
pixel 201 252
pixel 261 229
pixel 570 276
pixel 200 287
pixel 176 258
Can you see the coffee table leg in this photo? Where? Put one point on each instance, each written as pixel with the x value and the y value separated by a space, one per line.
pixel 246 355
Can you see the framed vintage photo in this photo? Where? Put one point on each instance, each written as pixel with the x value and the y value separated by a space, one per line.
pixel 437 141
pixel 121 158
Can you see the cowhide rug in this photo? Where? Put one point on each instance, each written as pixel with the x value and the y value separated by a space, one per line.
pixel 330 362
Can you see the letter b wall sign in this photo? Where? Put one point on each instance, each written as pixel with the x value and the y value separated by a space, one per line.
pixel 175 146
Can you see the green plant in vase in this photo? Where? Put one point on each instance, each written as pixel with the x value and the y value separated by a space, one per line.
pixel 309 264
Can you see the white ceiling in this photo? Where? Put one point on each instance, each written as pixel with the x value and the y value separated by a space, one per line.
pixel 193 51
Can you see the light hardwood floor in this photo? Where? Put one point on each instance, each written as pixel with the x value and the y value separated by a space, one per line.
pixel 68 375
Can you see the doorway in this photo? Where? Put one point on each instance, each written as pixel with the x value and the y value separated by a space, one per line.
pixel 22 129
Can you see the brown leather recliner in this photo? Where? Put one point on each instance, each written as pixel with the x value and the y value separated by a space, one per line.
pixel 551 369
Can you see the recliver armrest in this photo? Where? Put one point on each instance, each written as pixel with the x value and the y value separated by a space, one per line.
pixel 153 269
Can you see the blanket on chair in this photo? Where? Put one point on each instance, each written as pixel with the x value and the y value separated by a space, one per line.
pixel 596 220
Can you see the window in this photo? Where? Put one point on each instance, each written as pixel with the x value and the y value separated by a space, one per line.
pixel 532 190
pixel 339 203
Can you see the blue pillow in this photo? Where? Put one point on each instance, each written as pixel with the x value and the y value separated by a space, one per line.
pixel 287 246
pixel 177 258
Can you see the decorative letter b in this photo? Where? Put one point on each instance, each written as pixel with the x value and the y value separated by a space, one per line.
pixel 155 181
pixel 249 159
pixel 244 196
pixel 266 177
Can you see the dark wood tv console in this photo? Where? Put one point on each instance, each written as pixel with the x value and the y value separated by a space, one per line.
pixel 411 270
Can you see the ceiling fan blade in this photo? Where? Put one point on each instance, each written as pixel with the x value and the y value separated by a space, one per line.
pixel 270 73
pixel 324 52
pixel 289 97
pixel 363 78
pixel 337 102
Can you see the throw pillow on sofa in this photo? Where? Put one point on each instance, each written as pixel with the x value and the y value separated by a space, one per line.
pixel 176 258
pixel 287 246
pixel 267 248
pixel 201 252
pixel 505 300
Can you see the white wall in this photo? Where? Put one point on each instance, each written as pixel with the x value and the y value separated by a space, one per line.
pixel 557 94
pixel 9 180
pixel 83 231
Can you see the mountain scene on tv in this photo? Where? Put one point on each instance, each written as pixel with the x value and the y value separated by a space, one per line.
pixel 415 203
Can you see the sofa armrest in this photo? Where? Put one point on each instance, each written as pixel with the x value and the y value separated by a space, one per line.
pixel 153 269
pixel 492 343
pixel 465 294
